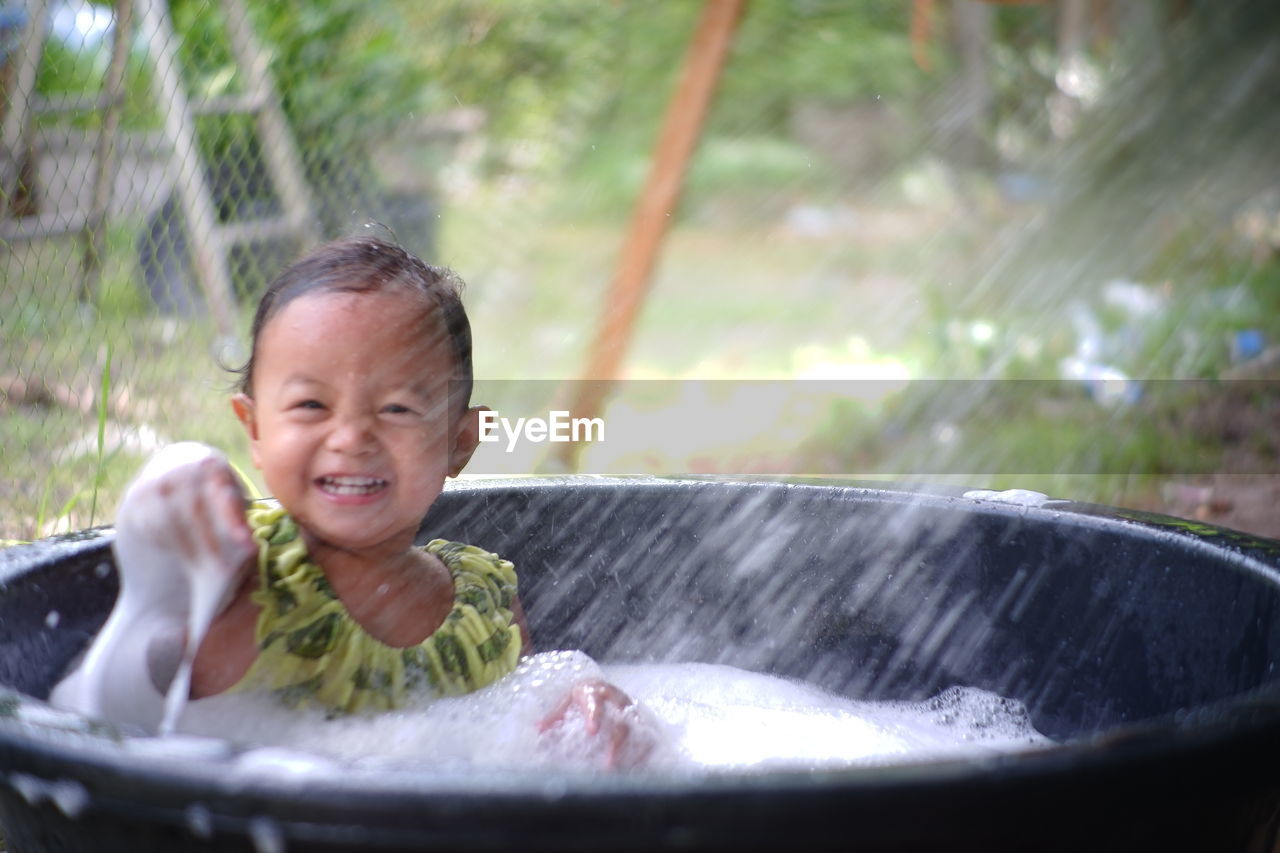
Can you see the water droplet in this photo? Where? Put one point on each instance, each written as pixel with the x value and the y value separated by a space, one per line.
pixel 266 834
pixel 200 820
pixel 69 796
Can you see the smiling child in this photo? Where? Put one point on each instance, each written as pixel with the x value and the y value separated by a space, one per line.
pixel 356 402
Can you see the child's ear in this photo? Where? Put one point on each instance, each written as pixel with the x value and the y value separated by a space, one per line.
pixel 466 437
pixel 247 413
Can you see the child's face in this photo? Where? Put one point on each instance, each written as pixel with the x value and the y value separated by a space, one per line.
pixel 349 419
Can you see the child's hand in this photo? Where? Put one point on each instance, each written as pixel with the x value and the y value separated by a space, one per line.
pixel 607 713
pixel 184 512
pixel 182 548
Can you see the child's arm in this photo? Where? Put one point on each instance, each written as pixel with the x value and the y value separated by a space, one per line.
pixel 526 640
pixel 602 706
pixel 229 649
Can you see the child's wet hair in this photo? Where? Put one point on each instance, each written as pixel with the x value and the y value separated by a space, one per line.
pixel 368 265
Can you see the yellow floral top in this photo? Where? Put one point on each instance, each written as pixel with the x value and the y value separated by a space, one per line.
pixel 310 650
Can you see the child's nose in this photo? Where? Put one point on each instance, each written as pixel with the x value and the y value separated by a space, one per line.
pixel 352 434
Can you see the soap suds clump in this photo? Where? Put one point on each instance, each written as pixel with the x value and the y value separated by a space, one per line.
pixel 703 717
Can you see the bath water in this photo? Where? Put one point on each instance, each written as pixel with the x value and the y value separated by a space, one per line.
pixel 701 717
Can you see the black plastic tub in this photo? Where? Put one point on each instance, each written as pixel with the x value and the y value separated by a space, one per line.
pixel 1146 646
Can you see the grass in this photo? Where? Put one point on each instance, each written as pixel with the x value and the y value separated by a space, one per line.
pixel 1049 437
pixel 725 301
pixel 104 383
pixel 104 394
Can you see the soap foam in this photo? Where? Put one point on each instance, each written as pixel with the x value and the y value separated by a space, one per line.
pixel 728 719
pixel 697 717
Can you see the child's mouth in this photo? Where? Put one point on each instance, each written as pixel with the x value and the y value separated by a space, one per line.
pixel 352 485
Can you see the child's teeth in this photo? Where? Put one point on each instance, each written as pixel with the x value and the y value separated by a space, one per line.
pixel 352 485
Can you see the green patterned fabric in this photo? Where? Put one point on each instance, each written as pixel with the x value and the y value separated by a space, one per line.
pixel 311 651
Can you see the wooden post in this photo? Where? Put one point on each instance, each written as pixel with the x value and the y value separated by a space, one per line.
pixel 193 191
pixel 921 31
pixel 1073 29
pixel 104 160
pixel 18 166
pixel 682 125
pixel 277 140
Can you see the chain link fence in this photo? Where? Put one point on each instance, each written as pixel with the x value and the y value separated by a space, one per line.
pixel 856 185
pixel 153 183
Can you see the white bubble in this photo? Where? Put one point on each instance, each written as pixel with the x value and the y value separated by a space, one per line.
pixel 1019 497
pixel 200 820
pixel 69 796
pixel 266 834
pixel 688 717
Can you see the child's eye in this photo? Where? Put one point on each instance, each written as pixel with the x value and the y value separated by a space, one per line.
pixel 397 409
pixel 308 404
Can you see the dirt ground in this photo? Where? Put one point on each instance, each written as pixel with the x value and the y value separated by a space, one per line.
pixel 1245 421
pixel 1249 503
